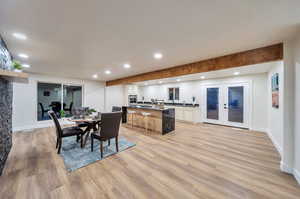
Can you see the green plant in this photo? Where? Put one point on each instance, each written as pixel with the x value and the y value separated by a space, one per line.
pixel 17 65
pixel 90 111
pixel 62 113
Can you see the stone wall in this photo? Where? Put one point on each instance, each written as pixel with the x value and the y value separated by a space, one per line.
pixel 6 93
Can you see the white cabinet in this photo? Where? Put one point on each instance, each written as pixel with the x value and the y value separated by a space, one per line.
pixel 187 114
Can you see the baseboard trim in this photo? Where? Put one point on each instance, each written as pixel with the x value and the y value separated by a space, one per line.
pixel 277 146
pixel 297 175
pixel 38 125
pixel 285 168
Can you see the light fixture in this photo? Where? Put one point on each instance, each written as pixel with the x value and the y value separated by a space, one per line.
pixel 20 36
pixel 202 77
pixel 107 72
pixel 160 82
pixel 95 76
pixel 22 55
pixel 236 73
pixel 26 65
pixel 127 66
pixel 157 55
pixel 178 80
pixel 146 84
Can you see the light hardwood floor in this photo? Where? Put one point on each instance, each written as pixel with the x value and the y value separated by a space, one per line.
pixel 197 161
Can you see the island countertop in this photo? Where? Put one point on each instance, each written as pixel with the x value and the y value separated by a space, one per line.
pixel 160 120
pixel 149 107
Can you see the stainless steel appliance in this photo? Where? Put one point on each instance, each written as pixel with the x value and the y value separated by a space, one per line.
pixel 132 99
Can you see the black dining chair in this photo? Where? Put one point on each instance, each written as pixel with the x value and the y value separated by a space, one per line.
pixel 110 124
pixel 69 109
pixel 65 132
pixel 43 110
pixel 116 109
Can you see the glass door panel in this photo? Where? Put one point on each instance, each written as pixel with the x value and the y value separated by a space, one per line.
pixel 72 99
pixel 49 98
pixel 212 101
pixel 236 104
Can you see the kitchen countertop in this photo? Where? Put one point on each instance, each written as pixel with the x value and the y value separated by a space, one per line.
pixel 149 107
pixel 171 104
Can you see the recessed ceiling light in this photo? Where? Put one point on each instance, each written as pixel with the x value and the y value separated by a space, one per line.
pixel 19 36
pixel 26 65
pixel 202 77
pixel 236 73
pixel 23 56
pixel 95 76
pixel 178 80
pixel 107 72
pixel 127 66
pixel 160 82
pixel 157 55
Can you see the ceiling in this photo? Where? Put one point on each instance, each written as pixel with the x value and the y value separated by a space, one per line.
pixel 242 71
pixel 80 38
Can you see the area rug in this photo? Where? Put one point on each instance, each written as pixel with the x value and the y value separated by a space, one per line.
pixel 75 157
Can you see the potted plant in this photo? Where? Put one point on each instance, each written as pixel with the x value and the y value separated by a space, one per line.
pixel 91 111
pixel 62 113
pixel 17 66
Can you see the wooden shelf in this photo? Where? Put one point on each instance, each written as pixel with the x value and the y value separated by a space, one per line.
pixel 14 75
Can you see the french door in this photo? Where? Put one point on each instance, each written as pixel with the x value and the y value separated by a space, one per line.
pixel 227 104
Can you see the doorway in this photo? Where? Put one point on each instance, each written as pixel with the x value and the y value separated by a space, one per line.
pixel 227 104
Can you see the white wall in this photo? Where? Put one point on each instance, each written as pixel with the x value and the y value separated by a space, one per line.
pixel 275 115
pixel 193 88
pixel 25 99
pixel 297 109
pixel 114 96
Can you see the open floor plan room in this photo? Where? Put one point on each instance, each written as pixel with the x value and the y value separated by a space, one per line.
pixel 196 161
pixel 149 99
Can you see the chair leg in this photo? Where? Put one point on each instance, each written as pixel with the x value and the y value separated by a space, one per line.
pixel 117 144
pixel 101 149
pixel 77 138
pixel 81 140
pixel 92 143
pixel 108 142
pixel 57 142
pixel 59 146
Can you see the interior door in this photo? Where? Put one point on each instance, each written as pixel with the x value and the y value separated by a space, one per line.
pixel 236 105
pixel 227 104
pixel 212 106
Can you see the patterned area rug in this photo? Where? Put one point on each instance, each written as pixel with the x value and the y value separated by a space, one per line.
pixel 76 157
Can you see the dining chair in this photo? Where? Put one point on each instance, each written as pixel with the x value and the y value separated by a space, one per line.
pixel 65 132
pixel 43 110
pixel 110 124
pixel 69 109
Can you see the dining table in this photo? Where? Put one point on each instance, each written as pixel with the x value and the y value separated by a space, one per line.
pixel 90 123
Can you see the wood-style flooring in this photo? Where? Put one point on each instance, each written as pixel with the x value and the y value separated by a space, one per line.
pixel 196 161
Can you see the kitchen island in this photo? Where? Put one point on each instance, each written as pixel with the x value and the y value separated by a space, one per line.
pixel 161 120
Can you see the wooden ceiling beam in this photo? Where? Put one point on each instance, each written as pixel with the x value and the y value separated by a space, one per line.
pixel 250 57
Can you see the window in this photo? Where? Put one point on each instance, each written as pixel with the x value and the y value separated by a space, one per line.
pixel 57 97
pixel 173 94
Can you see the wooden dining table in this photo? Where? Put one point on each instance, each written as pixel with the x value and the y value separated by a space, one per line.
pixel 90 123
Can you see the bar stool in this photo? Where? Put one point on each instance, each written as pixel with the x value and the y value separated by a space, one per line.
pixel 146 116
pixel 132 113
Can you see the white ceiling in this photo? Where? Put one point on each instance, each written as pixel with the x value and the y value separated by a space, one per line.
pixel 75 38
pixel 245 70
